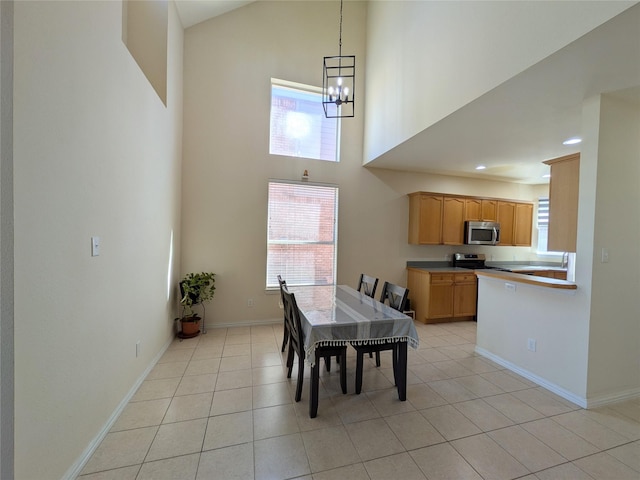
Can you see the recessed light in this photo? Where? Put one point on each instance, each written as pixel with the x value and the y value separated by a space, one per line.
pixel 572 141
pixel 548 175
pixel 480 167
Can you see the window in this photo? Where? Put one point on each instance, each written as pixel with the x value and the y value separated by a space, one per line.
pixel 543 223
pixel 302 234
pixel 298 125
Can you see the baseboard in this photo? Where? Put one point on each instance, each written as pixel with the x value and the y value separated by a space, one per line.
pixel 254 323
pixel 78 465
pixel 552 387
pixel 602 400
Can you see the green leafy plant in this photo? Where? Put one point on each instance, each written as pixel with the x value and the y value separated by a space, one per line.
pixel 196 288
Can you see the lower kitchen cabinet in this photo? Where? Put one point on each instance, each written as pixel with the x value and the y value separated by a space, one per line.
pixel 442 296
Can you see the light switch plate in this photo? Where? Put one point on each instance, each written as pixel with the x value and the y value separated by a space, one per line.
pixel 95 246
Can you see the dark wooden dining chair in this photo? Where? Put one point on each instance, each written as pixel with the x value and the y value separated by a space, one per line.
pixel 396 297
pixel 296 347
pixel 285 338
pixel 367 285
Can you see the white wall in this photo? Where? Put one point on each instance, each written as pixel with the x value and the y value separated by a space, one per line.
pixel 555 319
pixel 227 164
pixel 96 153
pixel 614 340
pixel 427 59
pixel 6 241
pixel 593 335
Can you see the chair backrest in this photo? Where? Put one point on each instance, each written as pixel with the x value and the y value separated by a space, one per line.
pixel 367 285
pixel 282 283
pixel 396 295
pixel 294 324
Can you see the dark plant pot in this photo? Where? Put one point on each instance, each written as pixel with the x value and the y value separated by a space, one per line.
pixel 190 327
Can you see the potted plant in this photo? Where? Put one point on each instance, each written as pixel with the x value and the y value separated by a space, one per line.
pixel 195 289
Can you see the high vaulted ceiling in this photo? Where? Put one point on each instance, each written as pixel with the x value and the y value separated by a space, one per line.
pixel 513 128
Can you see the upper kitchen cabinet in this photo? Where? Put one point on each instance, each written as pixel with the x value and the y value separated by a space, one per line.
pixel 435 219
pixel 523 225
pixel 425 218
pixel 480 210
pixel 516 220
pixel 506 219
pixel 438 219
pixel 563 203
pixel 453 221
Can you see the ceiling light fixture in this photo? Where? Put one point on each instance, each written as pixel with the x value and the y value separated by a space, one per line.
pixel 572 141
pixel 338 82
pixel 480 167
pixel 546 175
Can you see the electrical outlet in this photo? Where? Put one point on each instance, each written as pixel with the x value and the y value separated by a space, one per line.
pixel 605 255
pixel 510 287
pixel 531 344
pixel 250 303
pixel 137 348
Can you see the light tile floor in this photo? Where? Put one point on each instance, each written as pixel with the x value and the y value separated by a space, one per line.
pixel 219 406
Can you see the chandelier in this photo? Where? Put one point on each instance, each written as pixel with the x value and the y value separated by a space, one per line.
pixel 338 82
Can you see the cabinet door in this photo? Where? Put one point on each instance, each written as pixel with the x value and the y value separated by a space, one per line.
pixel 425 219
pixel 472 209
pixel 453 221
pixel 523 224
pixel 441 296
pixel 506 218
pixel 418 285
pixel 489 211
pixel 465 293
pixel 563 203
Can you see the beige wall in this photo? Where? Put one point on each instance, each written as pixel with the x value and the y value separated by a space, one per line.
pixel 227 164
pixel 614 346
pixel 96 153
pixel 428 59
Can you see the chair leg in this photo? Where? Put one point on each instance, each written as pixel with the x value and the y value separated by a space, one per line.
pixel 377 359
pixel 300 379
pixel 285 338
pixel 359 365
pixel 343 370
pixel 290 361
pixel 394 354
pixel 327 363
pixel 313 388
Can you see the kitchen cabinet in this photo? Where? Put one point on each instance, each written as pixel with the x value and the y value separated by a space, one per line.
pixel 442 296
pixel 563 203
pixel 506 219
pixel 438 219
pixel 515 221
pixel 523 224
pixel 425 219
pixel 480 210
pixel 453 221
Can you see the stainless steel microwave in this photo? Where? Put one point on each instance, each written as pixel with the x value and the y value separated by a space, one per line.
pixel 481 233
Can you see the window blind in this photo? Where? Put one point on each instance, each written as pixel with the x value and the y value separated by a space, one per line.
pixel 543 212
pixel 302 234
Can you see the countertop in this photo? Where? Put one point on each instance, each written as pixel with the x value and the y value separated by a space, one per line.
pixel 528 279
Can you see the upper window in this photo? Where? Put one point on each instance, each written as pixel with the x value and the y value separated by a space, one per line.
pixel 302 234
pixel 298 124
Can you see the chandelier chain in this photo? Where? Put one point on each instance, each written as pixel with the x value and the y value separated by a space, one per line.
pixel 340 45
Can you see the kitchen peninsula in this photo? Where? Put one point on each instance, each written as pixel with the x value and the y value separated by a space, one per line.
pixel 530 325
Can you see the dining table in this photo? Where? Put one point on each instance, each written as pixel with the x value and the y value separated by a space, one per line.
pixel 335 315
